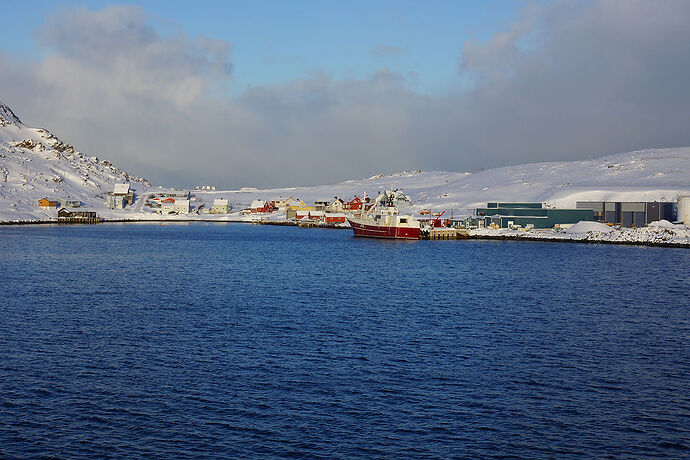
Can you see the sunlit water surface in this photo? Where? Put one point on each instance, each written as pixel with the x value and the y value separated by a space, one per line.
pixel 230 340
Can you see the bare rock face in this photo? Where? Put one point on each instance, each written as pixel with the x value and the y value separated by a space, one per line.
pixel 7 116
pixel 30 144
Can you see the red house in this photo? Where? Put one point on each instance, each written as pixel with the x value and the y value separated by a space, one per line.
pixel 354 205
pixel 316 215
pixel 260 206
pixel 335 218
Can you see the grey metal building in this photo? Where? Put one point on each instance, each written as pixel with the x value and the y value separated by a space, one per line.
pixel 630 213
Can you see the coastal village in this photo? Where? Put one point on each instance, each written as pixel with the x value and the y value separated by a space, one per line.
pixel 635 197
pixel 537 218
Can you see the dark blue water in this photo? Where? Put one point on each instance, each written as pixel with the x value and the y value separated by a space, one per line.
pixel 213 340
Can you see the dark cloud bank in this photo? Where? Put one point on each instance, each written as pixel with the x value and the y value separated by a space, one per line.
pixel 568 81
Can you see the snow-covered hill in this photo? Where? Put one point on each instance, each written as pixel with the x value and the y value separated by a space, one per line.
pixel 646 175
pixel 36 164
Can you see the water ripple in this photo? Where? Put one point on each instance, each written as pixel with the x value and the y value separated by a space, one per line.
pixel 252 341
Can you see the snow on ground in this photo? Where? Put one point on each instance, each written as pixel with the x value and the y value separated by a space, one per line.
pixel 35 164
pixel 666 234
pixel 585 226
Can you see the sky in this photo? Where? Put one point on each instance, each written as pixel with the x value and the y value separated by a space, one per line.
pixel 274 93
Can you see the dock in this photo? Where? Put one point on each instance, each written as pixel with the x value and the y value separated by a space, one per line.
pixel 77 217
pixel 318 224
pixel 443 233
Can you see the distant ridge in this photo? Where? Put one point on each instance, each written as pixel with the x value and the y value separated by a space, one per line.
pixel 35 164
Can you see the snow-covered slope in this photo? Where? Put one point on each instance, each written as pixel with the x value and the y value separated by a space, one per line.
pixel 646 175
pixel 35 164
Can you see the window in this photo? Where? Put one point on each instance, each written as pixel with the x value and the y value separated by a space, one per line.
pixel 403 220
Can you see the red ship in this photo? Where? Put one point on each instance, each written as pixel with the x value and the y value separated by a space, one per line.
pixel 385 222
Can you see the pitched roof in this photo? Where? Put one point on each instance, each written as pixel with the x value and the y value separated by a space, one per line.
pixel 121 189
pixel 176 203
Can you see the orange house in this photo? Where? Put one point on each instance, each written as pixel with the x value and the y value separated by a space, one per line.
pixel 46 203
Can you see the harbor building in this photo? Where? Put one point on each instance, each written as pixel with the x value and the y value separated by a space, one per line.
pixel 174 206
pixel 46 203
pixel 630 213
pixel 220 206
pixel 77 217
pixel 260 206
pixel 335 206
pixel 354 205
pixel 529 215
pixel 120 197
pixel 321 205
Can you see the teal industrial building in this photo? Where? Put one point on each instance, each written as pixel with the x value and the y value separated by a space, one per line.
pixel 529 215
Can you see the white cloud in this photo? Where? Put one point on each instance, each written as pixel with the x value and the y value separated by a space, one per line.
pixel 568 81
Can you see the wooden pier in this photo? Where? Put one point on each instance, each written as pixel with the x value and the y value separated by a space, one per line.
pixel 444 233
pixel 318 224
pixel 77 217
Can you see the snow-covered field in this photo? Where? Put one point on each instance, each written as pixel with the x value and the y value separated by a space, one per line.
pixel 35 164
pixel 657 233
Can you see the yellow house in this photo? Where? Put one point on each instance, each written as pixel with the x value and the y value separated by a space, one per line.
pixel 46 203
pixel 291 210
pixel 295 205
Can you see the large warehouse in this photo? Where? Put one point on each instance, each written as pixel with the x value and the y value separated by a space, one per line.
pixel 630 213
pixel 530 214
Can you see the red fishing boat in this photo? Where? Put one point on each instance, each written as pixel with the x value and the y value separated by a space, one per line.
pixel 385 221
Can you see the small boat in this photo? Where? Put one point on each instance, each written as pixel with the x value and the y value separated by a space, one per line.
pixel 385 222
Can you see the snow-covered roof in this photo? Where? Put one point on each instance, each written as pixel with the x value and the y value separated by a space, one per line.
pixel 177 202
pixel 121 189
pixel 258 204
pixel 220 202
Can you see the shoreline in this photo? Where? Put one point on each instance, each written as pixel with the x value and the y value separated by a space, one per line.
pixel 581 241
pixel 334 227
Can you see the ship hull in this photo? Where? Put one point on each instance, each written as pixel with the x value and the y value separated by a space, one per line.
pixel 371 230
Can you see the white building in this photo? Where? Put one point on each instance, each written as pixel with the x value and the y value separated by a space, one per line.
pixel 120 197
pixel 177 207
pixel 335 206
pixel 220 206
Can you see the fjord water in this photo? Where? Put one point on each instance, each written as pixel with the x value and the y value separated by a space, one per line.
pixel 229 340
